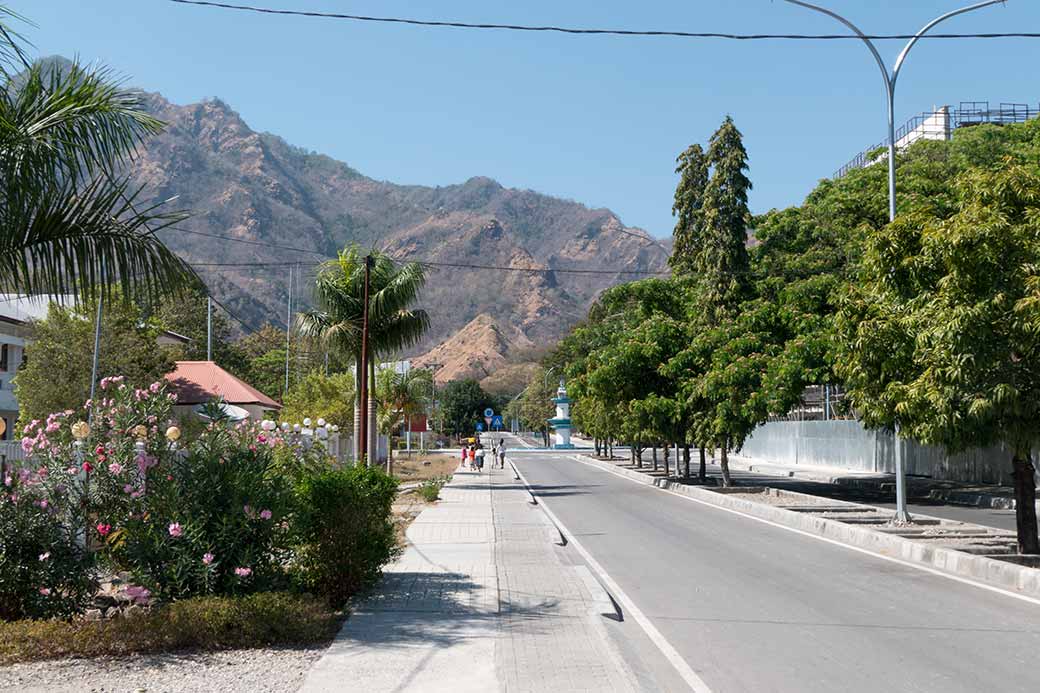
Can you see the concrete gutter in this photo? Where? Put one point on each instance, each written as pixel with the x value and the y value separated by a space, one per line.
pixel 1008 576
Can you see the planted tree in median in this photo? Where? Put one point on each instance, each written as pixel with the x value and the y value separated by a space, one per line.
pixel 942 333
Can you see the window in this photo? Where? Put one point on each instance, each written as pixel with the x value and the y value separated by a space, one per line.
pixel 3 357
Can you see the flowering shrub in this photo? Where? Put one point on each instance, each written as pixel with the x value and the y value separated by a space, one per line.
pixel 236 510
pixel 213 519
pixel 44 572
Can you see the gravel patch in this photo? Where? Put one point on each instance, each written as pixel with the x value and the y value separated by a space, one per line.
pixel 240 671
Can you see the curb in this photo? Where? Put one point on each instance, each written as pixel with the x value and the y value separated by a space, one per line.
pixel 1017 579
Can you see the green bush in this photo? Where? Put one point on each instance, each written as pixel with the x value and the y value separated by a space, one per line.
pixel 43 571
pixel 345 531
pixel 430 490
pixel 203 623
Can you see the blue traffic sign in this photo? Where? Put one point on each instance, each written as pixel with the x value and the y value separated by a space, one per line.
pixel 496 421
pixel 489 412
pixel 480 426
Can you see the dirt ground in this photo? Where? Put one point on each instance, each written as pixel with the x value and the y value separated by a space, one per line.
pixel 423 467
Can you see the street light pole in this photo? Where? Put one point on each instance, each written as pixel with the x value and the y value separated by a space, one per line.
pixel 889 79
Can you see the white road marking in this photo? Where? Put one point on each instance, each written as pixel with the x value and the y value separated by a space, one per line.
pixel 695 682
pixel 891 559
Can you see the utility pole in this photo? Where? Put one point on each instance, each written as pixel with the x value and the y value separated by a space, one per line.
pixel 363 375
pixel 889 79
pixel 97 347
pixel 288 331
pixel 209 328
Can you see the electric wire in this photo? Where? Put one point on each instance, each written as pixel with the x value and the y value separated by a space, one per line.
pixel 595 31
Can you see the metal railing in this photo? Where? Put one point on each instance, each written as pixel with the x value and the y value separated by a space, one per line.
pixel 967 114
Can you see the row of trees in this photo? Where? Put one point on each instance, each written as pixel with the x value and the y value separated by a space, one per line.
pixel 931 323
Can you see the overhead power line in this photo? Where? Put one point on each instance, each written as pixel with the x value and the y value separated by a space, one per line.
pixel 594 31
pixel 245 241
pixel 207 266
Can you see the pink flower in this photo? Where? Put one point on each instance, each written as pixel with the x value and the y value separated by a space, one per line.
pixel 104 529
pixel 243 572
pixel 154 387
pixel 176 530
pixel 45 556
pixel 45 591
pixel 138 594
pixel 88 467
pixel 249 512
pixel 27 445
pixel 128 489
pixel 115 468
pixel 265 514
pixel 8 480
pixel 207 558
pixel 52 427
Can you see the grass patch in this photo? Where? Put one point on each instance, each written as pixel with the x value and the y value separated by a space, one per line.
pixel 203 623
pixel 430 490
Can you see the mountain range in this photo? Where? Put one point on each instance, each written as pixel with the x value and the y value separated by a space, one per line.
pixel 281 204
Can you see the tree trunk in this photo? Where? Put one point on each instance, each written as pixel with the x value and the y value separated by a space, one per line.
pixel 358 452
pixel 639 454
pixel 667 449
pixel 595 444
pixel 686 461
pixel 702 473
pixel 724 461
pixel 1025 501
pixel 373 430
pixel 653 456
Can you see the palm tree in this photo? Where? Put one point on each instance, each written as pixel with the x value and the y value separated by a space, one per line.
pixel 69 217
pixel 401 396
pixel 393 326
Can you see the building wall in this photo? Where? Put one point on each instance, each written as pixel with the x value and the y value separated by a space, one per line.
pixel 848 445
pixel 12 341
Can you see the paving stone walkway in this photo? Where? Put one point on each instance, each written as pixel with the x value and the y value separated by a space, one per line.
pixel 483 599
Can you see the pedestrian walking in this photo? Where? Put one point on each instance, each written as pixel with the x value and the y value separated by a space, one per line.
pixel 501 457
pixel 472 457
pixel 465 455
pixel 480 457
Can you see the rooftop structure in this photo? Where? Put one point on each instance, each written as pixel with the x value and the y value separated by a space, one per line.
pixel 197 382
pixel 939 124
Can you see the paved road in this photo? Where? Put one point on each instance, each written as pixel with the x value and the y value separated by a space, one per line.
pixel 757 608
pixel 988 517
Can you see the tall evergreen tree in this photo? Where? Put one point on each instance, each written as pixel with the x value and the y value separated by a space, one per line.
pixel 723 258
pixel 689 200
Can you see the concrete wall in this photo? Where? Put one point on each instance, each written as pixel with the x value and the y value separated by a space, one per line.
pixel 848 445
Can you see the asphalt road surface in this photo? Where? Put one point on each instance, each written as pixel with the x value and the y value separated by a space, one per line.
pixel 751 607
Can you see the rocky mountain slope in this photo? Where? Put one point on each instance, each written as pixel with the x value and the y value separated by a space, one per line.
pixel 254 187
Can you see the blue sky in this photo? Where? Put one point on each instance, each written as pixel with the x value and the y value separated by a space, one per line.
pixel 595 119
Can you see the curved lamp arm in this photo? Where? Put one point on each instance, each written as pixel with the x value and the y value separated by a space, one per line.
pixel 928 26
pixel 863 37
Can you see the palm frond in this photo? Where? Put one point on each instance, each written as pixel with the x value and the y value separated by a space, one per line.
pixel 66 239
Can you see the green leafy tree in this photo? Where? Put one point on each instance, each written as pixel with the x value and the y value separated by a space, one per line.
pixel 723 258
pixel 941 335
pixel 319 396
pixel 462 405
pixel 71 219
pixel 687 208
pixel 63 343
pixel 187 315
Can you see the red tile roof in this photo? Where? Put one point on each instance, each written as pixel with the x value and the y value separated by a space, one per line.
pixel 196 382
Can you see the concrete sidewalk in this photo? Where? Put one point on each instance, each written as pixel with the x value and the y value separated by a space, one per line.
pixel 483 599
